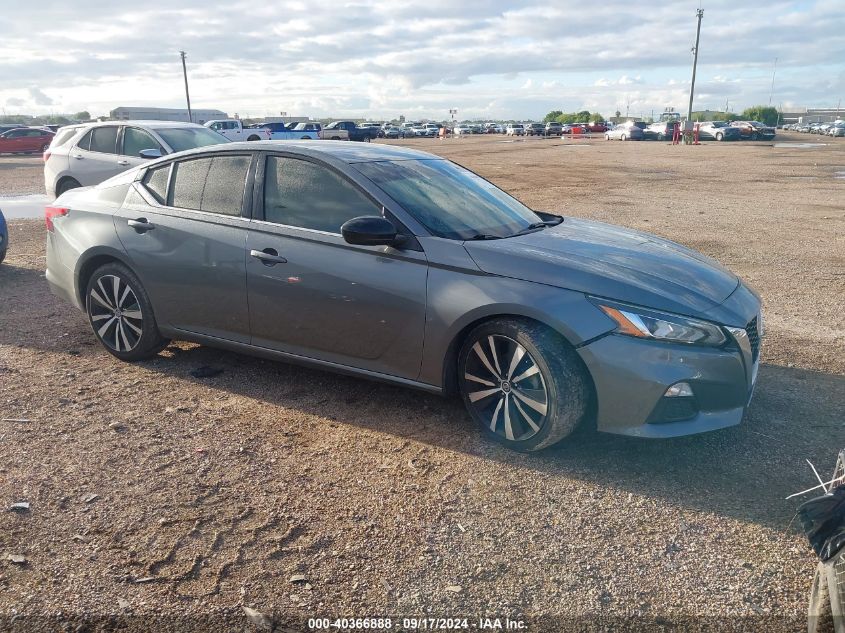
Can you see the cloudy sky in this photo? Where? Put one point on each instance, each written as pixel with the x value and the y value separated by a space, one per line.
pixel 495 59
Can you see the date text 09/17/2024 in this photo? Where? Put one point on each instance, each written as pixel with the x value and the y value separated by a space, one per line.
pixel 417 624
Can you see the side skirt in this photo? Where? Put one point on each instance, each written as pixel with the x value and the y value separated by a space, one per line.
pixel 271 354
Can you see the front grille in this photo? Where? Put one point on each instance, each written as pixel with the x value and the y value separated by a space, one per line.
pixel 753 338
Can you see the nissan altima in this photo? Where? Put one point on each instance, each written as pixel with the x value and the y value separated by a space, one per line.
pixel 394 264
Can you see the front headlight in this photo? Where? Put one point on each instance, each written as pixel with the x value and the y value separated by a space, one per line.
pixel 651 324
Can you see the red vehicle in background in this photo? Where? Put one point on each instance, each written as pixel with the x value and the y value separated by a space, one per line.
pixel 25 140
pixel 596 126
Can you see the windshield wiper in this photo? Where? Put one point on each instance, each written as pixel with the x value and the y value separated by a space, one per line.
pixel 538 225
pixel 483 236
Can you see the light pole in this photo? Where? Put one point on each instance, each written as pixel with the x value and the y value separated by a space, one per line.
pixel 699 14
pixel 772 89
pixel 187 94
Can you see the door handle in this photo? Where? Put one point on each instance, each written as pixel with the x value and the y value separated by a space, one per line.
pixel 268 257
pixel 78 156
pixel 141 225
pixel 123 162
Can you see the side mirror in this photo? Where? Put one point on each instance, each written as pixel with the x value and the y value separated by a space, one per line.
pixel 369 231
pixel 150 153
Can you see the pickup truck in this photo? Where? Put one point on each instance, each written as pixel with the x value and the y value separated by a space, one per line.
pixel 347 130
pixel 284 132
pixel 234 130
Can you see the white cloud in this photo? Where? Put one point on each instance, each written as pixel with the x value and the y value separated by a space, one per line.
pixel 511 59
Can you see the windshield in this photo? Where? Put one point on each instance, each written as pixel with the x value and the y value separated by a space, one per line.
pixel 182 138
pixel 450 201
pixel 718 124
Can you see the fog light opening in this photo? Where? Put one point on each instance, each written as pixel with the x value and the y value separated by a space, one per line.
pixel 679 390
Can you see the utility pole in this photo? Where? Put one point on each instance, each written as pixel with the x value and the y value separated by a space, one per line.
pixel 774 70
pixel 187 94
pixel 699 14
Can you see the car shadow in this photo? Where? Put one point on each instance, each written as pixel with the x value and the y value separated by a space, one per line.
pixel 743 472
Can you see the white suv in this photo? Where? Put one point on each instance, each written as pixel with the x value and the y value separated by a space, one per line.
pixel 83 155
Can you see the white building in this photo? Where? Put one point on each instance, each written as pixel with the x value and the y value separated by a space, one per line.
pixel 142 113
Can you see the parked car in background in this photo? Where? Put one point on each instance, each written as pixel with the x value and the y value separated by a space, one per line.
pixel 515 129
pixel 353 132
pixel 287 132
pixel 535 129
pixel 628 131
pixel 391 131
pixel 303 126
pixel 83 155
pixel 540 323
pixel 5 127
pixel 234 130
pixel 25 140
pixel 553 129
pixel 597 126
pixel 660 131
pixel 4 237
pixel 494 128
pixel 837 129
pixel 754 130
pixel 462 130
pixel 718 131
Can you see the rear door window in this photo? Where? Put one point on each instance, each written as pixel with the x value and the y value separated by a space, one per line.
pixel 213 184
pixel 104 139
pixel 155 181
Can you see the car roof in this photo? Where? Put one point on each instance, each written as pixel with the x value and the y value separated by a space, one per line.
pixel 343 151
pixel 146 123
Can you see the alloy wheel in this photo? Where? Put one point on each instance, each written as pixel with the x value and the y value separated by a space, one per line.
pixel 505 386
pixel 115 313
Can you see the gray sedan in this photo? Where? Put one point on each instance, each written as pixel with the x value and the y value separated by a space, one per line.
pixel 394 264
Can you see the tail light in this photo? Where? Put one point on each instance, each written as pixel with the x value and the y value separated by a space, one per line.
pixel 46 155
pixel 53 212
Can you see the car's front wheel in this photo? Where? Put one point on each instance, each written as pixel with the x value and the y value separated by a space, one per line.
pixel 623 138
pixel 522 383
pixel 720 136
pixel 121 314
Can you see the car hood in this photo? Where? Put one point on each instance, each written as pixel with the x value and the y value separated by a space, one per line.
pixel 612 262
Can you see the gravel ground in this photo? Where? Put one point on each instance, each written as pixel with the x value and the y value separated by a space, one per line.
pixel 158 495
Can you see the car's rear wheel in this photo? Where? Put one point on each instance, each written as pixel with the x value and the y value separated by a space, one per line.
pixel 623 138
pixel 253 138
pixel 121 314
pixel 66 185
pixel 522 383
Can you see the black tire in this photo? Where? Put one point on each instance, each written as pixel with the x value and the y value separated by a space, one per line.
pixel 553 395
pixel 66 185
pixel 3 250
pixel 253 138
pixel 121 315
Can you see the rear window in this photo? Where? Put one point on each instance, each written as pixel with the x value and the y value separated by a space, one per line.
pixel 215 185
pixel 63 136
pixel 190 137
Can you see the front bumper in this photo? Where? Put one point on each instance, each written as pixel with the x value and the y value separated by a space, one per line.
pixel 632 375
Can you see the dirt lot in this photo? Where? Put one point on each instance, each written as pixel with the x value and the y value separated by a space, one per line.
pixel 157 494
